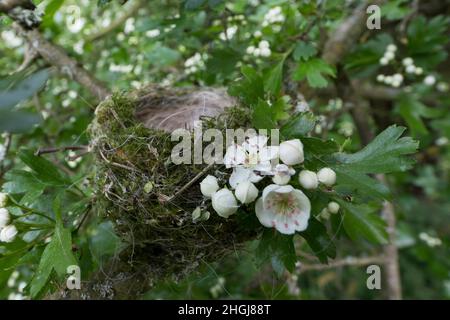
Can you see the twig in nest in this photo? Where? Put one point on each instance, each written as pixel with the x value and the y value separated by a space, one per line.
pixel 42 151
pixel 115 163
pixel 187 185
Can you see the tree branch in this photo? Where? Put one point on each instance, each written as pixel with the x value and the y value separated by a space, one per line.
pixel 68 66
pixel 347 33
pixel 22 12
pixel 348 261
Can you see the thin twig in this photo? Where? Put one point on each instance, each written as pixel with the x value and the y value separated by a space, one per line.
pixel 190 183
pixel 42 151
pixel 349 261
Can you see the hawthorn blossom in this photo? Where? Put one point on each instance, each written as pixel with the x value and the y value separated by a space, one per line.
pixel 291 152
pixel 284 208
pixel 209 186
pixel 224 203
pixel 326 176
pixel 282 174
pixel 250 161
pixel 8 233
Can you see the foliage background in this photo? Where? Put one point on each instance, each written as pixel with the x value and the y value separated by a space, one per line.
pixel 134 54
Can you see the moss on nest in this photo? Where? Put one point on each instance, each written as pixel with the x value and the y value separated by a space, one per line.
pixel 134 176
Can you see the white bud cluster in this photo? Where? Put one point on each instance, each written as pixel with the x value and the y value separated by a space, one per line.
pixel 395 80
pixel 262 50
pixel 153 33
pixel 429 240
pixel 389 54
pixel 229 33
pixel 8 231
pixel 195 63
pixel 2 152
pixel 273 16
pixel 410 68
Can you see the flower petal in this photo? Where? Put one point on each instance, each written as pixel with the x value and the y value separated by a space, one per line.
pixel 265 217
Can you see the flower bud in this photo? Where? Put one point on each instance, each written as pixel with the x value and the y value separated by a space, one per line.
pixel 333 207
pixel 3 199
pixel 209 185
pixel 326 176
pixel 246 192
pixel 8 234
pixel 291 152
pixel 4 217
pixel 324 214
pixel 224 203
pixel 308 179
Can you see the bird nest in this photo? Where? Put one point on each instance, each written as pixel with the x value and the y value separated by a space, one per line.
pixel 138 186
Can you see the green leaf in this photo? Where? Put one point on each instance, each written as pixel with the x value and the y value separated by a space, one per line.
pixel 262 116
pixel 360 221
pixel 45 171
pixel 315 71
pixel 20 181
pixel 18 121
pixel 103 242
pixel 318 240
pixel 222 61
pixel 356 182
pixel 274 78
pixel 300 125
pixel 277 248
pixel 50 9
pixel 24 89
pixel 412 110
pixel 57 256
pixel 250 88
pixel 304 51
pixel 386 153
pixel 162 56
pixel 427 39
pixel 395 9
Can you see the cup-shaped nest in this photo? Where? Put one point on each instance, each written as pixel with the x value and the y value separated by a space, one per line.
pixel 138 186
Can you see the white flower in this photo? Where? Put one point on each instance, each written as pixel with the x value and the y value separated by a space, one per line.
pixel 388 79
pixel 224 203
pixel 419 71
pixel 408 62
pixel 263 44
pixel 391 48
pixel 229 33
pixel 308 179
pixel 209 186
pixel 265 52
pixel 3 199
pixel 234 156
pixel 324 214
pixel 8 234
pixel 389 55
pixel 384 61
pixel 380 77
pixel 333 207
pixel 282 174
pixel 4 217
pixel 283 208
pixel 429 80
pixel 241 174
pixel 326 176
pixel 250 50
pixel 398 77
pixel 11 40
pixel 257 154
pixel 246 192
pixel 411 69
pixel 291 152
pixel 153 33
